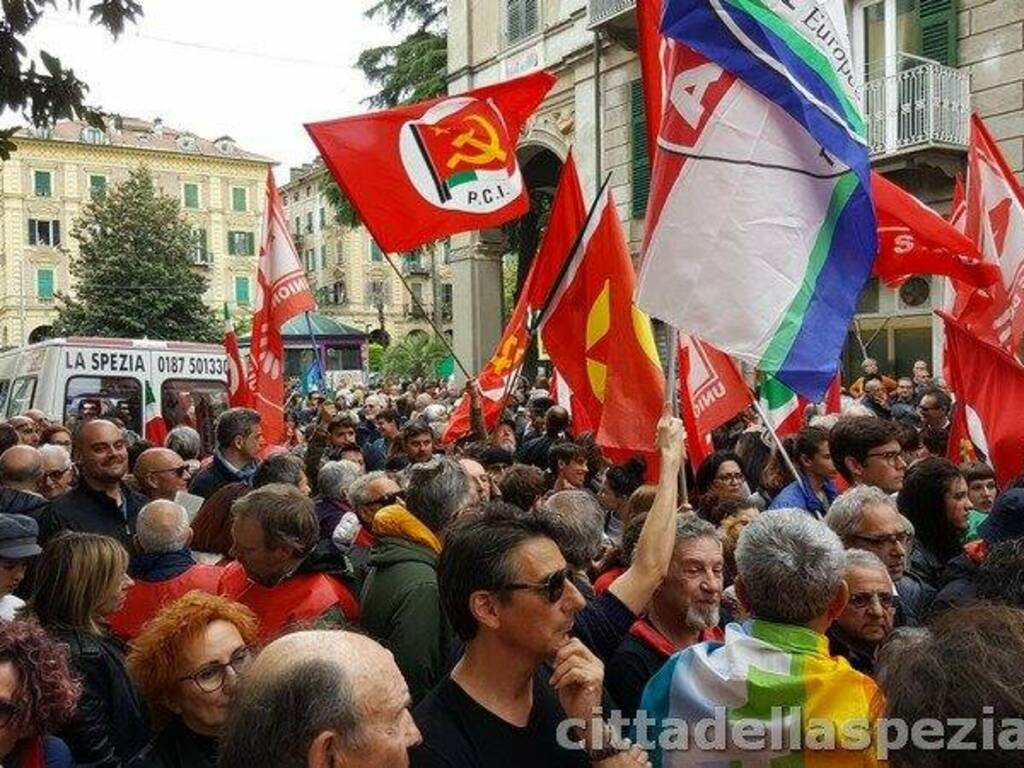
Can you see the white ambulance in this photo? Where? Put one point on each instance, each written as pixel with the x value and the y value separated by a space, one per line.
pixel 77 377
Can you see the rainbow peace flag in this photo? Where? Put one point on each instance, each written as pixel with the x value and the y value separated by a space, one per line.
pixel 774 678
pixel 760 227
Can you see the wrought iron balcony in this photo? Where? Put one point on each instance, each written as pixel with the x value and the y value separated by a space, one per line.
pixel 605 11
pixel 415 312
pixel 925 106
pixel 415 268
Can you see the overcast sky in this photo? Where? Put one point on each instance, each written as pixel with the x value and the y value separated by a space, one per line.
pixel 253 70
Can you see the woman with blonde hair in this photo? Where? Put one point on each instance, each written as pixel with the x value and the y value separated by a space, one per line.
pixel 186 662
pixel 81 578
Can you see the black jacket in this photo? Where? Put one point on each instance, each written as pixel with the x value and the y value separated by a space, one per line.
pixel 960 585
pixel 213 477
pixel 109 726
pixel 177 746
pixel 14 502
pixel 913 601
pixel 87 510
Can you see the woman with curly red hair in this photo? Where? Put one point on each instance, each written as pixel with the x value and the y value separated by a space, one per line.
pixel 37 697
pixel 186 662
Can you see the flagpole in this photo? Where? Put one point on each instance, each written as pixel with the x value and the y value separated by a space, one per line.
pixel 316 352
pixel 423 311
pixel 672 391
pixel 778 442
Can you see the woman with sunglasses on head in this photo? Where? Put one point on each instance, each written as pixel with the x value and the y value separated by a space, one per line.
pixel 186 663
pixel 38 695
pixel 934 499
pixel 80 579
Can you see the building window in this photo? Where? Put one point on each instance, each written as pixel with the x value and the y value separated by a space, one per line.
pixel 92 135
pixel 241 243
pixel 310 259
pixel 376 254
pixel 309 190
pixel 43 232
pixel 200 253
pixel 43 184
pixel 323 255
pixel 97 187
pixel 44 284
pixel 376 293
pixel 309 221
pixel 242 290
pixel 298 226
pixel 191 195
pixel 323 218
pixel 640 174
pixel 521 19
pixel 239 199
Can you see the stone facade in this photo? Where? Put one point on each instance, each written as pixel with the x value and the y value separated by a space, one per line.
pixel 54 173
pixel 602 132
pixel 351 277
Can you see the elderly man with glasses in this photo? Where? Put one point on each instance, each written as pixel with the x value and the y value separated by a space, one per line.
pixel 161 473
pixel 866 518
pixel 58 472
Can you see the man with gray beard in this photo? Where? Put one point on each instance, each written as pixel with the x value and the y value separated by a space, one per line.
pixel 683 612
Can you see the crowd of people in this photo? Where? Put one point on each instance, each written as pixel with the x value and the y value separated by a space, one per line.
pixel 367 596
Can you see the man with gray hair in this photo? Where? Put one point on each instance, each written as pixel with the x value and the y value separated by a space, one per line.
pixel 318 699
pixel 790 579
pixel 187 443
pixel 332 485
pixel 683 611
pixel 401 606
pixel 58 471
pixel 865 517
pixel 162 568
pixel 579 520
pixel 867 621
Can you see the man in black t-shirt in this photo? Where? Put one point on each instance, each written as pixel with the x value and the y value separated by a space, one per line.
pixel 507 592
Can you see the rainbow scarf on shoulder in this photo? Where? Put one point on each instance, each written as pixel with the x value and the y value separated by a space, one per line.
pixel 778 674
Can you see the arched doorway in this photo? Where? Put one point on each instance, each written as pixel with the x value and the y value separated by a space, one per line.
pixel 40 333
pixel 541 168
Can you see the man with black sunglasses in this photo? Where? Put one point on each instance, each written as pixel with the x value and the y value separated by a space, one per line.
pixel 509 595
pixel 161 473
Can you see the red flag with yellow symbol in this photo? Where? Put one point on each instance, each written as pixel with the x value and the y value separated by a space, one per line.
pixel 420 172
pixel 568 213
pixel 601 344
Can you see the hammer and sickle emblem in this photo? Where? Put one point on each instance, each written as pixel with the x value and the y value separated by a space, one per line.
pixel 507 357
pixel 488 150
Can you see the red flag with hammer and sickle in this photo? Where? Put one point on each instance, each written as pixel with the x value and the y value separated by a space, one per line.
pixel 422 172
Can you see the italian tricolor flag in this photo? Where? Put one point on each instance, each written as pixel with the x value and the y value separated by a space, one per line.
pixel 156 427
pixel 785 409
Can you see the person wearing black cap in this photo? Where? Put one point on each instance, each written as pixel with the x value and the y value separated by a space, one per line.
pixel 1004 522
pixel 19 543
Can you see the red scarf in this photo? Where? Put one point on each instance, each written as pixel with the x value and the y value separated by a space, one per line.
pixel 31 754
pixel 644 631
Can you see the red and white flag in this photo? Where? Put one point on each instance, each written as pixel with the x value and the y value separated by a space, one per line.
pixel 239 394
pixel 711 391
pixel 421 172
pixel 281 293
pixel 989 411
pixel 994 221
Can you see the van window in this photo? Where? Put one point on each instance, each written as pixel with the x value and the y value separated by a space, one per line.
pixel 89 397
pixel 194 403
pixel 5 390
pixel 22 393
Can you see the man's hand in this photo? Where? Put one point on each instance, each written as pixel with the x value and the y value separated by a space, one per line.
pixel 671 437
pixel 577 680
pixel 634 757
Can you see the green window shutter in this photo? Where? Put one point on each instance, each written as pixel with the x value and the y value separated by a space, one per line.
pixel 938 30
pixel 375 252
pixel 43 184
pixel 44 283
pixel 191 195
pixel 242 290
pixel 97 187
pixel 238 198
pixel 323 218
pixel 200 237
pixel 641 172
pixel 54 232
pixel 323 255
pixel 250 243
pixel 232 243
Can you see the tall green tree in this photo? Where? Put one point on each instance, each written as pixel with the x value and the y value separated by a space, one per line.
pixel 134 272
pixel 55 92
pixel 417 354
pixel 411 70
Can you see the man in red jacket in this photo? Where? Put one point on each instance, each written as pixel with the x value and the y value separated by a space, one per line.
pixel 283 573
pixel 163 568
